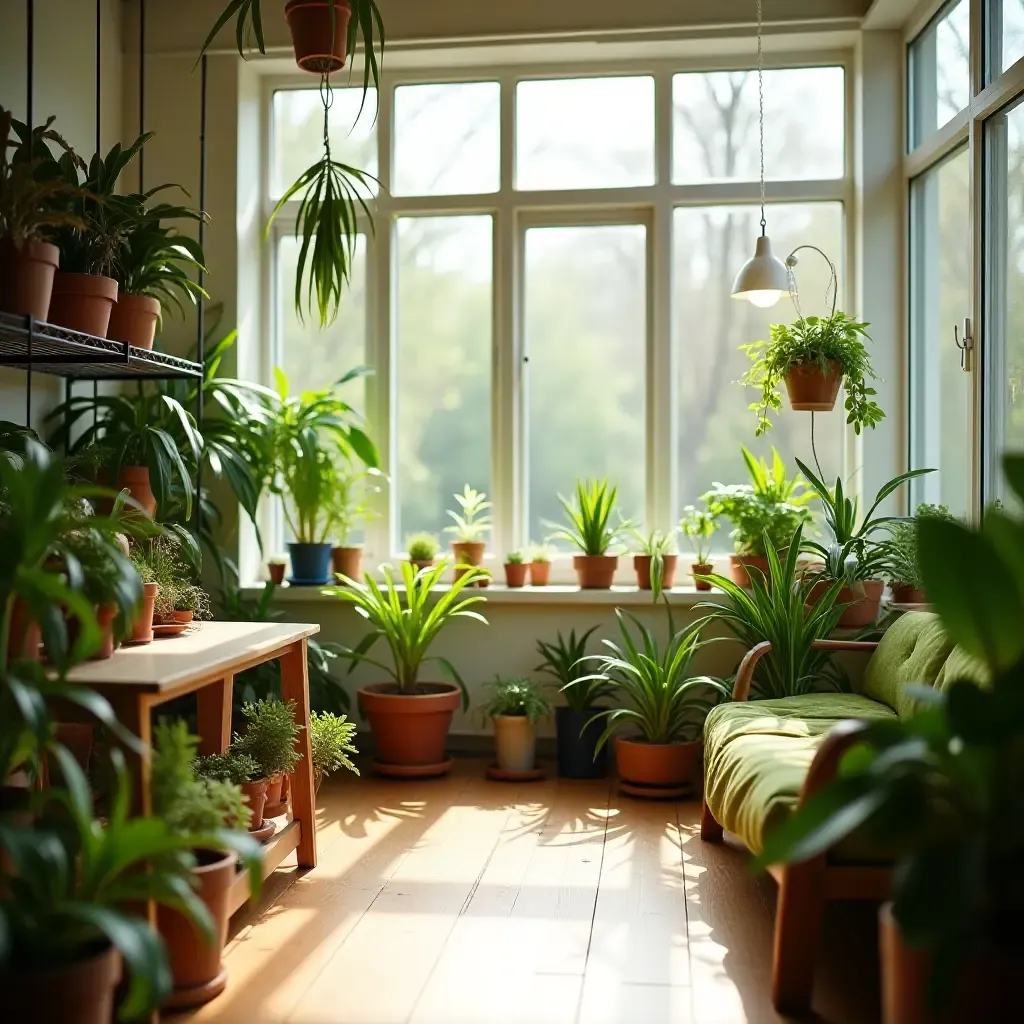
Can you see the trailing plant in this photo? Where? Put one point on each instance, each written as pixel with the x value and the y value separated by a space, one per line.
pixel 901 547
pixel 422 547
pixel 667 705
pixel 409 620
pixel 230 766
pixel 777 608
pixel 816 341
pixel 589 517
pixel 942 789
pixel 521 697
pixel 331 738
pixel 472 524
pixel 564 661
pixel 270 736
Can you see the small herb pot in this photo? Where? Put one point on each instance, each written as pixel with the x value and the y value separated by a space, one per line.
pixel 311 563
pixel 595 572
pixel 105 615
pixel 540 574
pixel 276 572
pixel 642 567
pixel 142 628
pixel 704 569
pixel 348 561
pixel 515 574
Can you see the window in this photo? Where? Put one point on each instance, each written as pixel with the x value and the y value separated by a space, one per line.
pixel 1005 29
pixel 940 297
pixel 940 75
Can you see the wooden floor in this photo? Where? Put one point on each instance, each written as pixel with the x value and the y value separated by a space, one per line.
pixel 462 901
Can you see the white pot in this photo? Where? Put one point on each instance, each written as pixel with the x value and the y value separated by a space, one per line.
pixel 516 743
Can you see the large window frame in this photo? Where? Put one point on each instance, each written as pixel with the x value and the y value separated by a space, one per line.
pixel 514 211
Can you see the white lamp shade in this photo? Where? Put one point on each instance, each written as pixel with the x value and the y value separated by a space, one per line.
pixel 763 278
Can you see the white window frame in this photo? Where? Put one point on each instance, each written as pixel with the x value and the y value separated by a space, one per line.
pixel 513 211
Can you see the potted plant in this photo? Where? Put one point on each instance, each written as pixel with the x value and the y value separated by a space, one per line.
pixel 33 205
pixel 698 526
pixel 141 629
pixel 422 549
pixel 270 739
pixel 347 505
pixel 655 565
pixel 409 718
pixel 152 272
pixel 240 770
pixel 667 706
pixel 540 566
pixel 813 355
pixel 331 741
pixel 765 513
pixel 193 805
pixel 941 789
pixel 471 526
pixel 590 529
pixel 276 569
pixel 515 707
pixel 516 568
pixel 904 564
pixel 578 723
pixel 851 554
pixel 191 602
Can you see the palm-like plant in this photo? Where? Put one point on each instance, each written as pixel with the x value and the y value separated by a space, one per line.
pixel 472 523
pixel 667 704
pixel 564 662
pixel 777 608
pixel 409 627
pixel 590 527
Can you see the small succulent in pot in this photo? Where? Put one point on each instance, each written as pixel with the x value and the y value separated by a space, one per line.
pixel 540 565
pixel 698 526
pixel 422 549
pixel 516 568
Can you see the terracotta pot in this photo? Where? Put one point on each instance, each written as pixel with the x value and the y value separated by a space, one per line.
pixel 276 571
pixel 657 764
pixel 82 302
pixel 348 561
pixel 255 794
pixel 469 553
pixel 863 599
pixel 810 390
pixel 642 566
pixel 410 729
pixel 183 615
pixel 986 989
pixel 142 628
pixel 26 277
pixel 25 635
pixel 595 572
pixel 515 574
pixel 540 574
pixel 136 479
pixel 78 738
pixel 738 567
pixel 905 593
pixel 81 992
pixel 310 23
pixel 196 965
pixel 274 786
pixel 421 564
pixel 515 743
pixel 702 569
pixel 105 615
pixel 133 320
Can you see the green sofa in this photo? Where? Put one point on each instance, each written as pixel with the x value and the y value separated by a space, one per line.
pixel 762 757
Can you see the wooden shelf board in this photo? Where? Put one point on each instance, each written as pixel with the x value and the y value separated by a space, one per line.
pixel 276 849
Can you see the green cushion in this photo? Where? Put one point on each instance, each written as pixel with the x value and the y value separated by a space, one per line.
pixel 756 756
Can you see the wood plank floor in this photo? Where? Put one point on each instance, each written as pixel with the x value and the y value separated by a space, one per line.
pixel 463 901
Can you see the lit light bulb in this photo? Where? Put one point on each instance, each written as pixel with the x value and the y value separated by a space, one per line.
pixel 763 299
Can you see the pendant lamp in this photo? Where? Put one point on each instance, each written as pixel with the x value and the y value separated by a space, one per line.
pixel 764 277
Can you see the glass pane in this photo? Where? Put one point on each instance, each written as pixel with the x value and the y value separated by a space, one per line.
pixel 940 297
pixel 443 424
pixel 298 133
pixel 710 244
pixel 1005 23
pixel 585 332
pixel 447 139
pixel 313 358
pixel 585 133
pixel 715 130
pixel 940 73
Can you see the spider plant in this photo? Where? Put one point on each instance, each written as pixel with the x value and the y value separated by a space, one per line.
pixel 564 662
pixel 409 628
pixel 590 526
pixel 776 609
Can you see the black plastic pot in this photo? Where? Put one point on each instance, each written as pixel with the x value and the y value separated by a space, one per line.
pixel 578 733
pixel 311 564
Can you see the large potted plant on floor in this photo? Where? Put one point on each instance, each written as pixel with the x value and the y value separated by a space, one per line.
pixel 904 563
pixel 578 724
pixel 591 530
pixel 192 805
pixel 941 790
pixel 765 513
pixel 409 718
pixel 515 706
pixel 660 756
pixel 813 356
pixel 471 526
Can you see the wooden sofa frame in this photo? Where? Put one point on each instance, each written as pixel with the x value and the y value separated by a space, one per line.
pixel 804 887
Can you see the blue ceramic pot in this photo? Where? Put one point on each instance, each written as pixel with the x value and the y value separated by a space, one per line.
pixel 311 564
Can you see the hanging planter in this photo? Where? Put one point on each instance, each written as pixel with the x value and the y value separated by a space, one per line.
pixel 320 46
pixel 813 388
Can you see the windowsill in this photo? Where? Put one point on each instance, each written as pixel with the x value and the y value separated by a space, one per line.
pixel 500 594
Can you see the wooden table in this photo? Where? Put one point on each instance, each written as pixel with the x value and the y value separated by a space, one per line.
pixel 204 661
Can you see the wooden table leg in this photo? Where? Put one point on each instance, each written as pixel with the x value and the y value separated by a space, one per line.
pixel 215 702
pixel 295 687
pixel 134 713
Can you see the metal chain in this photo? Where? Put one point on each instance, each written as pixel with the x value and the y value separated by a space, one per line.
pixel 760 106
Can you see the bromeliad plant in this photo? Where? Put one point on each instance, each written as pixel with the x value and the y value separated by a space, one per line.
pixel 565 661
pixel 590 518
pixel 409 627
pixel 472 523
